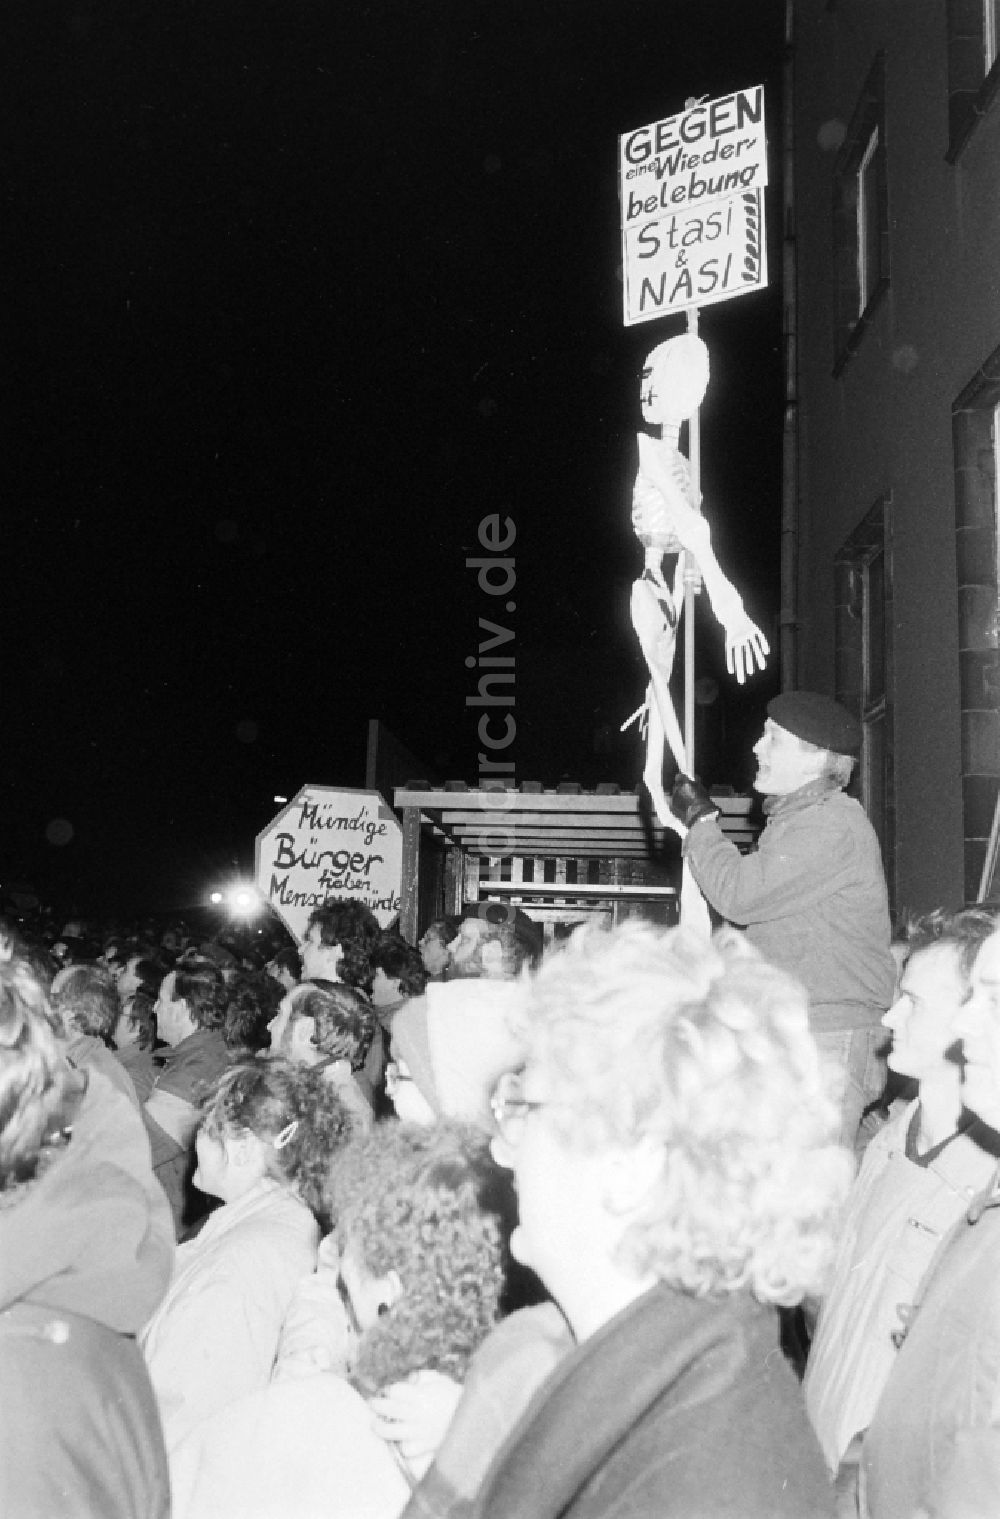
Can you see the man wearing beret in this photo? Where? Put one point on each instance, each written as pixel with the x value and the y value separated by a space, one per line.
pixel 812 897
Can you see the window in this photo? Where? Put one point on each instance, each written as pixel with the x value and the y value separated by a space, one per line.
pixel 973 67
pixel 975 428
pixel 864 666
pixel 861 218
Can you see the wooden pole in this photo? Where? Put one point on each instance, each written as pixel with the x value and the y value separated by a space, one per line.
pixel 691 573
pixel 410 905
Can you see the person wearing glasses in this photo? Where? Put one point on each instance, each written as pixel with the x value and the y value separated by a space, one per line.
pixel 448 1049
pixel 420 1242
pixel 678 1178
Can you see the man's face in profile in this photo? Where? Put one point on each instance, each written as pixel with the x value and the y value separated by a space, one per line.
pixel 466 949
pixel 478 951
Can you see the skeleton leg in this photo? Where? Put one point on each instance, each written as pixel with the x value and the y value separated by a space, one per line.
pixel 658 642
pixel 653 773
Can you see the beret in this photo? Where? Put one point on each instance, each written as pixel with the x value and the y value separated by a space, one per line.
pixel 818 719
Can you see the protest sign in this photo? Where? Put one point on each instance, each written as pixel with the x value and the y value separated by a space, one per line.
pixel 695 258
pixel 692 206
pixel 326 844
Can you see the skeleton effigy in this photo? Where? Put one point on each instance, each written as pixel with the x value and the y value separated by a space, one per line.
pixel 667 518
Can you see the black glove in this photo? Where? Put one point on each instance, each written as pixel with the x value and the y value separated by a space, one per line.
pixel 690 802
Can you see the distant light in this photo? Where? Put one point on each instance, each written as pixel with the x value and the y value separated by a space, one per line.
pixel 281 800
pixel 244 901
pixel 241 899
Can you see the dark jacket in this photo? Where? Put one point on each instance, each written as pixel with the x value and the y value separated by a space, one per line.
pixel 193 1064
pixel 138 1067
pixel 188 1069
pixel 678 1406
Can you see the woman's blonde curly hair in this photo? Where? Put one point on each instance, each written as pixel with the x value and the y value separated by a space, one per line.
pixel 33 1070
pixel 704 1048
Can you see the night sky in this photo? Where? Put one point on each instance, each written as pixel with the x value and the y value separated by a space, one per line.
pixel 295 295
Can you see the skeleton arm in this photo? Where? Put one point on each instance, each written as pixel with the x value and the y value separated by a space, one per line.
pixel 662 510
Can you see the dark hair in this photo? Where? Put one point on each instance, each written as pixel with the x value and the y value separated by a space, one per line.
pixel 445 928
pixel 288 959
pixel 355 928
pixel 76 950
pixel 422 1202
pixel 87 1000
pixel 115 951
pixel 138 1009
pixel 400 962
pixel 502 924
pixel 294 1110
pixel 966 931
pixel 529 935
pixel 343 1019
pixel 149 973
pixel 31 950
pixel 253 1002
pixel 203 988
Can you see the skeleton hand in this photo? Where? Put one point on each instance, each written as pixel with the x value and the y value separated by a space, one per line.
pixel 745 645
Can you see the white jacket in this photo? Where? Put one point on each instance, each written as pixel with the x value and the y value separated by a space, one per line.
pixel 297 1450
pixel 214 1337
pixel 895 1218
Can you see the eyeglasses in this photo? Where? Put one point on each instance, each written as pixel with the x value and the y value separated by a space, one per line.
pixel 510 1108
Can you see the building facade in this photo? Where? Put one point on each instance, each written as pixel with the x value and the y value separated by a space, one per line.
pixel 893 341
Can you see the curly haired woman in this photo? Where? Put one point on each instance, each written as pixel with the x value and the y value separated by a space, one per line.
pixel 678 1178
pixel 420 1241
pixel 419 1227
pixel 268 1133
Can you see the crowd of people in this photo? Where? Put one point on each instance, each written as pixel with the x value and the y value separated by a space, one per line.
pixel 635 1224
